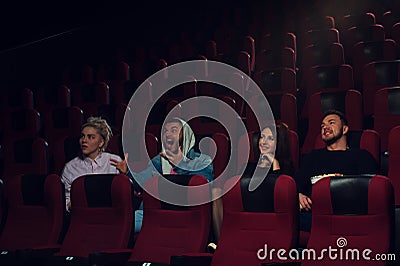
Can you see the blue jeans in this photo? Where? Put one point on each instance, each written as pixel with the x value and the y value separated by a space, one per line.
pixel 138 220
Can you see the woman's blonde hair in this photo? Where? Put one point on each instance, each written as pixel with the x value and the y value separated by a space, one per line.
pixel 102 128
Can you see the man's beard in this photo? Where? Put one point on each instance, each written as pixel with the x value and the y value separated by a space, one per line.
pixel 334 138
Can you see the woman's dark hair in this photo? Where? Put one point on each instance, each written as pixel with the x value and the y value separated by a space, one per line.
pixel 282 152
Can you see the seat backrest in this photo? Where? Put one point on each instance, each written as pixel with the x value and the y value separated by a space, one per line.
pixel 62 151
pixel 329 78
pixel 114 114
pixel 321 36
pixel 326 78
pixel 356 19
pixel 2 206
pixel 252 219
pixel 218 147
pixel 62 122
pixel 139 159
pixel 278 41
pixel 377 75
pixel 90 96
pixel 101 215
pixel 273 81
pixel 352 212
pixel 27 155
pixel 366 52
pixel 282 105
pixel 396 32
pixel 323 54
pixel 386 113
pixel 355 34
pixel 35 211
pixel 21 123
pixel 169 229
pixel 394 161
pixel 113 71
pixel 275 59
pixel 13 99
pixel 49 98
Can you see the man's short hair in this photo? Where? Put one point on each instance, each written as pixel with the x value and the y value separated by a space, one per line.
pixel 342 117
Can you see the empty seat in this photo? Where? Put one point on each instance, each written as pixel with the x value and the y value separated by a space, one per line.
pixel 114 74
pixel 21 123
pixel 396 32
pixel 77 75
pixel 321 37
pixel 62 124
pixel 13 99
pixel 25 156
pixel 277 41
pixel 240 60
pixel 35 207
pixel 386 113
pixel 46 99
pixel 394 161
pixel 276 81
pixel 283 108
pixel 326 78
pixel 114 114
pixel 275 59
pixel 101 215
pixel 393 174
pixel 354 35
pixel 358 20
pixel 366 52
pixel 140 158
pixel 90 96
pixel 377 75
pixel 322 54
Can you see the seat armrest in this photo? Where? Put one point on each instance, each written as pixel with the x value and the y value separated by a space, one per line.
pixel 110 257
pixel 193 259
pixel 38 254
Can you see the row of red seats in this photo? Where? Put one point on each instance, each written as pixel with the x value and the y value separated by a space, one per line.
pixel 101 219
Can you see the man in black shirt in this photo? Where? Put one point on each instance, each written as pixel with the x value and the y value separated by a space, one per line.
pixel 335 159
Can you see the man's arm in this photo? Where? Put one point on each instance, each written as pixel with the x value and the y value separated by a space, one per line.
pixel 304 183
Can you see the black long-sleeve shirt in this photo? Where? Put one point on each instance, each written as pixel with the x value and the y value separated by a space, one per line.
pixel 323 161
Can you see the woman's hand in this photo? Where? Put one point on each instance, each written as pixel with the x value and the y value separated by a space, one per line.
pixel 122 166
pixel 266 160
pixel 305 202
